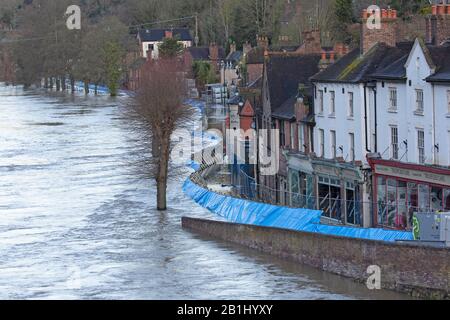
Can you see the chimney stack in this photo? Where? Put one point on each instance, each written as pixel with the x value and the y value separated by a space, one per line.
pixel 214 54
pixel 168 34
pixel 438 24
pixel 262 41
pixel 385 33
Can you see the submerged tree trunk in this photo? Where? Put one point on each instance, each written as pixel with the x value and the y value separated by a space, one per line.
pixel 96 89
pixel 51 83
pixel 161 180
pixel 46 83
pixel 63 83
pixel 86 87
pixel 58 84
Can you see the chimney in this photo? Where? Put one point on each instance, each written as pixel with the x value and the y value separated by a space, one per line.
pixel 262 41
pixel 312 43
pixel 438 24
pixel 232 47
pixel 386 34
pixel 168 34
pixel 247 48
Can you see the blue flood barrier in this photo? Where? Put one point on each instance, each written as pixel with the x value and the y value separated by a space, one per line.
pixel 248 212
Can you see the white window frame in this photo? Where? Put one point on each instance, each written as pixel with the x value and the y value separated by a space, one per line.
pixel 322 143
pixel 332 103
pixel 394 143
pixel 321 103
pixel 292 133
pixel 351 104
pixel 393 99
pixel 301 138
pixel 351 136
pixel 419 101
pixel 421 146
pixel 333 143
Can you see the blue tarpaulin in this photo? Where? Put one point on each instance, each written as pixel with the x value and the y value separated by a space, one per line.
pixel 249 212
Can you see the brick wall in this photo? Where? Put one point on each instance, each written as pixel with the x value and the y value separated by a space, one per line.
pixel 420 271
pixel 254 71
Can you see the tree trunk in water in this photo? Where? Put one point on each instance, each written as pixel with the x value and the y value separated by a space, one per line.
pixel 96 89
pixel 58 83
pixel 86 87
pixel 46 83
pixel 161 181
pixel 63 83
pixel 51 83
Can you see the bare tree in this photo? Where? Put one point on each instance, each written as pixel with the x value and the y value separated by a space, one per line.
pixel 159 105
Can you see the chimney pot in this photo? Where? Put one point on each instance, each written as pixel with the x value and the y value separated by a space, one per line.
pixel 434 10
pixel 332 54
pixel 324 56
pixel 168 33
pixel 448 9
pixel 384 13
pixel 441 9
pixel 365 15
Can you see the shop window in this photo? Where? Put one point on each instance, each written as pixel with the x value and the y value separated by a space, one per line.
pixel 391 202
pixel 381 200
pixel 447 200
pixel 330 197
pixel 424 197
pixel 402 211
pixel 436 200
pixel 350 197
pixel 413 204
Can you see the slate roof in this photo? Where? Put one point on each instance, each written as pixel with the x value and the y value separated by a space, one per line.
pixel 202 53
pixel 153 35
pixel 234 57
pixel 287 110
pixel 356 68
pixel 440 56
pixel 394 71
pixel 286 72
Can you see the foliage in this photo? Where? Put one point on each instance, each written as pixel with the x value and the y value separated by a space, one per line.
pixel 204 73
pixel 170 48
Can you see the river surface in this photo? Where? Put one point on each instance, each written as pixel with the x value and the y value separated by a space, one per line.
pixel 76 222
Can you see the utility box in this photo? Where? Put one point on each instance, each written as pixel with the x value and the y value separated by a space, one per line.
pixel 433 227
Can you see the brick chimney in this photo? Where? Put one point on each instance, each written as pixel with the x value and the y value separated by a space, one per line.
pixel 438 24
pixel 311 42
pixel 262 41
pixel 386 34
pixel 168 34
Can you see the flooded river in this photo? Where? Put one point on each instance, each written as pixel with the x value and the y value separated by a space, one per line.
pixel 77 223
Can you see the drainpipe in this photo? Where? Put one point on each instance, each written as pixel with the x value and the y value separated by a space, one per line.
pixel 435 160
pixel 365 117
pixel 376 119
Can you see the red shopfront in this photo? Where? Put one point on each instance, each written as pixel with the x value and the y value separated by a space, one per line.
pixel 400 190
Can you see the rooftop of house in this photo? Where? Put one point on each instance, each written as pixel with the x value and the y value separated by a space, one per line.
pixel 286 72
pixel 356 68
pixel 287 110
pixel 203 53
pixel 234 57
pixel 440 57
pixel 155 35
pixel 437 56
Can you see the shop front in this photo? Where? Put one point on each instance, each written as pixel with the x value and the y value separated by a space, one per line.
pixel 400 190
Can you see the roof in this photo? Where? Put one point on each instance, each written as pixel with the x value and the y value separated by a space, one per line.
pixel 440 55
pixel 202 53
pixel 356 68
pixel 394 71
pixel 287 110
pixel 234 57
pixel 286 72
pixel 153 35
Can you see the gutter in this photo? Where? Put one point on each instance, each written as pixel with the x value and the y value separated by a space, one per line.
pixel 365 117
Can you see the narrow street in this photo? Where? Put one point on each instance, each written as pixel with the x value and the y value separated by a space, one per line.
pixel 78 223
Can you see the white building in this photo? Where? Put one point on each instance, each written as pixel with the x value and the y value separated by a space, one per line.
pixel 150 39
